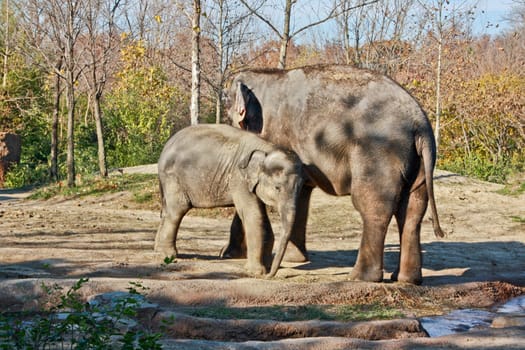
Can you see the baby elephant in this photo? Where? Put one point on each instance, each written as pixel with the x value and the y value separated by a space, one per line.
pixel 207 166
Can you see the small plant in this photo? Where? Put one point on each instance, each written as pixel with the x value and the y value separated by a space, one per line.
pixel 518 219
pixel 70 323
pixel 366 312
pixel 142 197
pixel 513 190
pixel 168 260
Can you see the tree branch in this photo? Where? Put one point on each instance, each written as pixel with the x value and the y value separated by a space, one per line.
pixel 254 12
pixel 333 13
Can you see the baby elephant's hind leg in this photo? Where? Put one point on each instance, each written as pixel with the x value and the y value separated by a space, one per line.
pixel 172 213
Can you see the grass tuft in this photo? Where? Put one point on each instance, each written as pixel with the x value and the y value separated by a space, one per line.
pixel 345 313
pixel 144 187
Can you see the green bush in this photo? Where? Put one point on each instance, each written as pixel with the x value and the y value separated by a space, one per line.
pixel 33 167
pixel 478 167
pixel 24 174
pixel 82 325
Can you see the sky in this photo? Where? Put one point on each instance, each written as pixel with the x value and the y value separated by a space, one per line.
pixel 494 12
pixel 489 18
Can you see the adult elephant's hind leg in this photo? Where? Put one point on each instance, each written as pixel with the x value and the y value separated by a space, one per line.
pixel 376 211
pixel 296 249
pixel 409 217
pixel 236 247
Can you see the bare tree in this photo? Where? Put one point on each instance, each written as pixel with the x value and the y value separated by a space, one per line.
pixel 193 14
pixel 228 27
pixel 517 16
pixel 373 36
pixel 52 28
pixel 100 45
pixel 443 22
pixel 352 27
pixel 195 63
pixel 66 21
pixel 53 170
pixel 287 33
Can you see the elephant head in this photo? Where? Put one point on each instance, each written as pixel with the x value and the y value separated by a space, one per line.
pixel 277 179
pixel 247 111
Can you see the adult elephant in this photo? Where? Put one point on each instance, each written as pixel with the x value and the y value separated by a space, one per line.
pixel 358 133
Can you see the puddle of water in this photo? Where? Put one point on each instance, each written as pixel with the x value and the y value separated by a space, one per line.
pixel 513 306
pixel 457 321
pixel 464 320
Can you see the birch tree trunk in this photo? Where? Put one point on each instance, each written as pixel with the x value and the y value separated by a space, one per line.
pixel 438 95
pixel 195 64
pixel 285 37
pixel 100 135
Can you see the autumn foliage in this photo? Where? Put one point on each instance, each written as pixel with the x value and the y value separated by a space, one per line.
pixel 146 72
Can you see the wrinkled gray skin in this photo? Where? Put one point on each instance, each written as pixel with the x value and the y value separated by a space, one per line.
pixel 208 166
pixel 357 133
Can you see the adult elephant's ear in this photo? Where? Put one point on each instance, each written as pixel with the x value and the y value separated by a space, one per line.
pixel 251 166
pixel 249 109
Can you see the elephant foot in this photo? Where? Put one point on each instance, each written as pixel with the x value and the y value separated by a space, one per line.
pixel 294 254
pixel 412 278
pixel 233 252
pixel 369 275
pixel 255 269
pixel 166 251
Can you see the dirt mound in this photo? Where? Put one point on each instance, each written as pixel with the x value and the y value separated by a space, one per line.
pixel 478 264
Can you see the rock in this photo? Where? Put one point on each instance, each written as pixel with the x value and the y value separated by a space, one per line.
pixel 508 321
pixel 111 300
pixel 10 149
pixel 178 325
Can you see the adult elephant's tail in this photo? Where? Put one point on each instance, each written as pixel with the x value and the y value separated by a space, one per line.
pixel 426 148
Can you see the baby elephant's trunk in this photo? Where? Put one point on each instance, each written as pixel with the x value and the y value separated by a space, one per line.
pixel 288 219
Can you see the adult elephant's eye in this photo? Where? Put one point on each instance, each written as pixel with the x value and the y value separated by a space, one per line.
pixel 278 188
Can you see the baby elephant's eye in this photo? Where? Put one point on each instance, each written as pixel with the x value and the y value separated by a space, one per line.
pixel 278 188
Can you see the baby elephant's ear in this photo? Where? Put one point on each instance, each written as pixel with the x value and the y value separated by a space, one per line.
pixel 251 167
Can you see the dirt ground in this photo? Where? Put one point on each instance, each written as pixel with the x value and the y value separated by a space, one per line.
pixel 480 263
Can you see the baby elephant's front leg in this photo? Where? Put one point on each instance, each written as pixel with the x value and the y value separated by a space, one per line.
pixel 253 218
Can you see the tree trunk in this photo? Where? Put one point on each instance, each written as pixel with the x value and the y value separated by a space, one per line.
pixel 70 101
pixel 285 38
pixel 6 46
pixel 100 136
pixel 53 171
pixel 195 64
pixel 218 106
pixel 438 96
pixel 220 49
